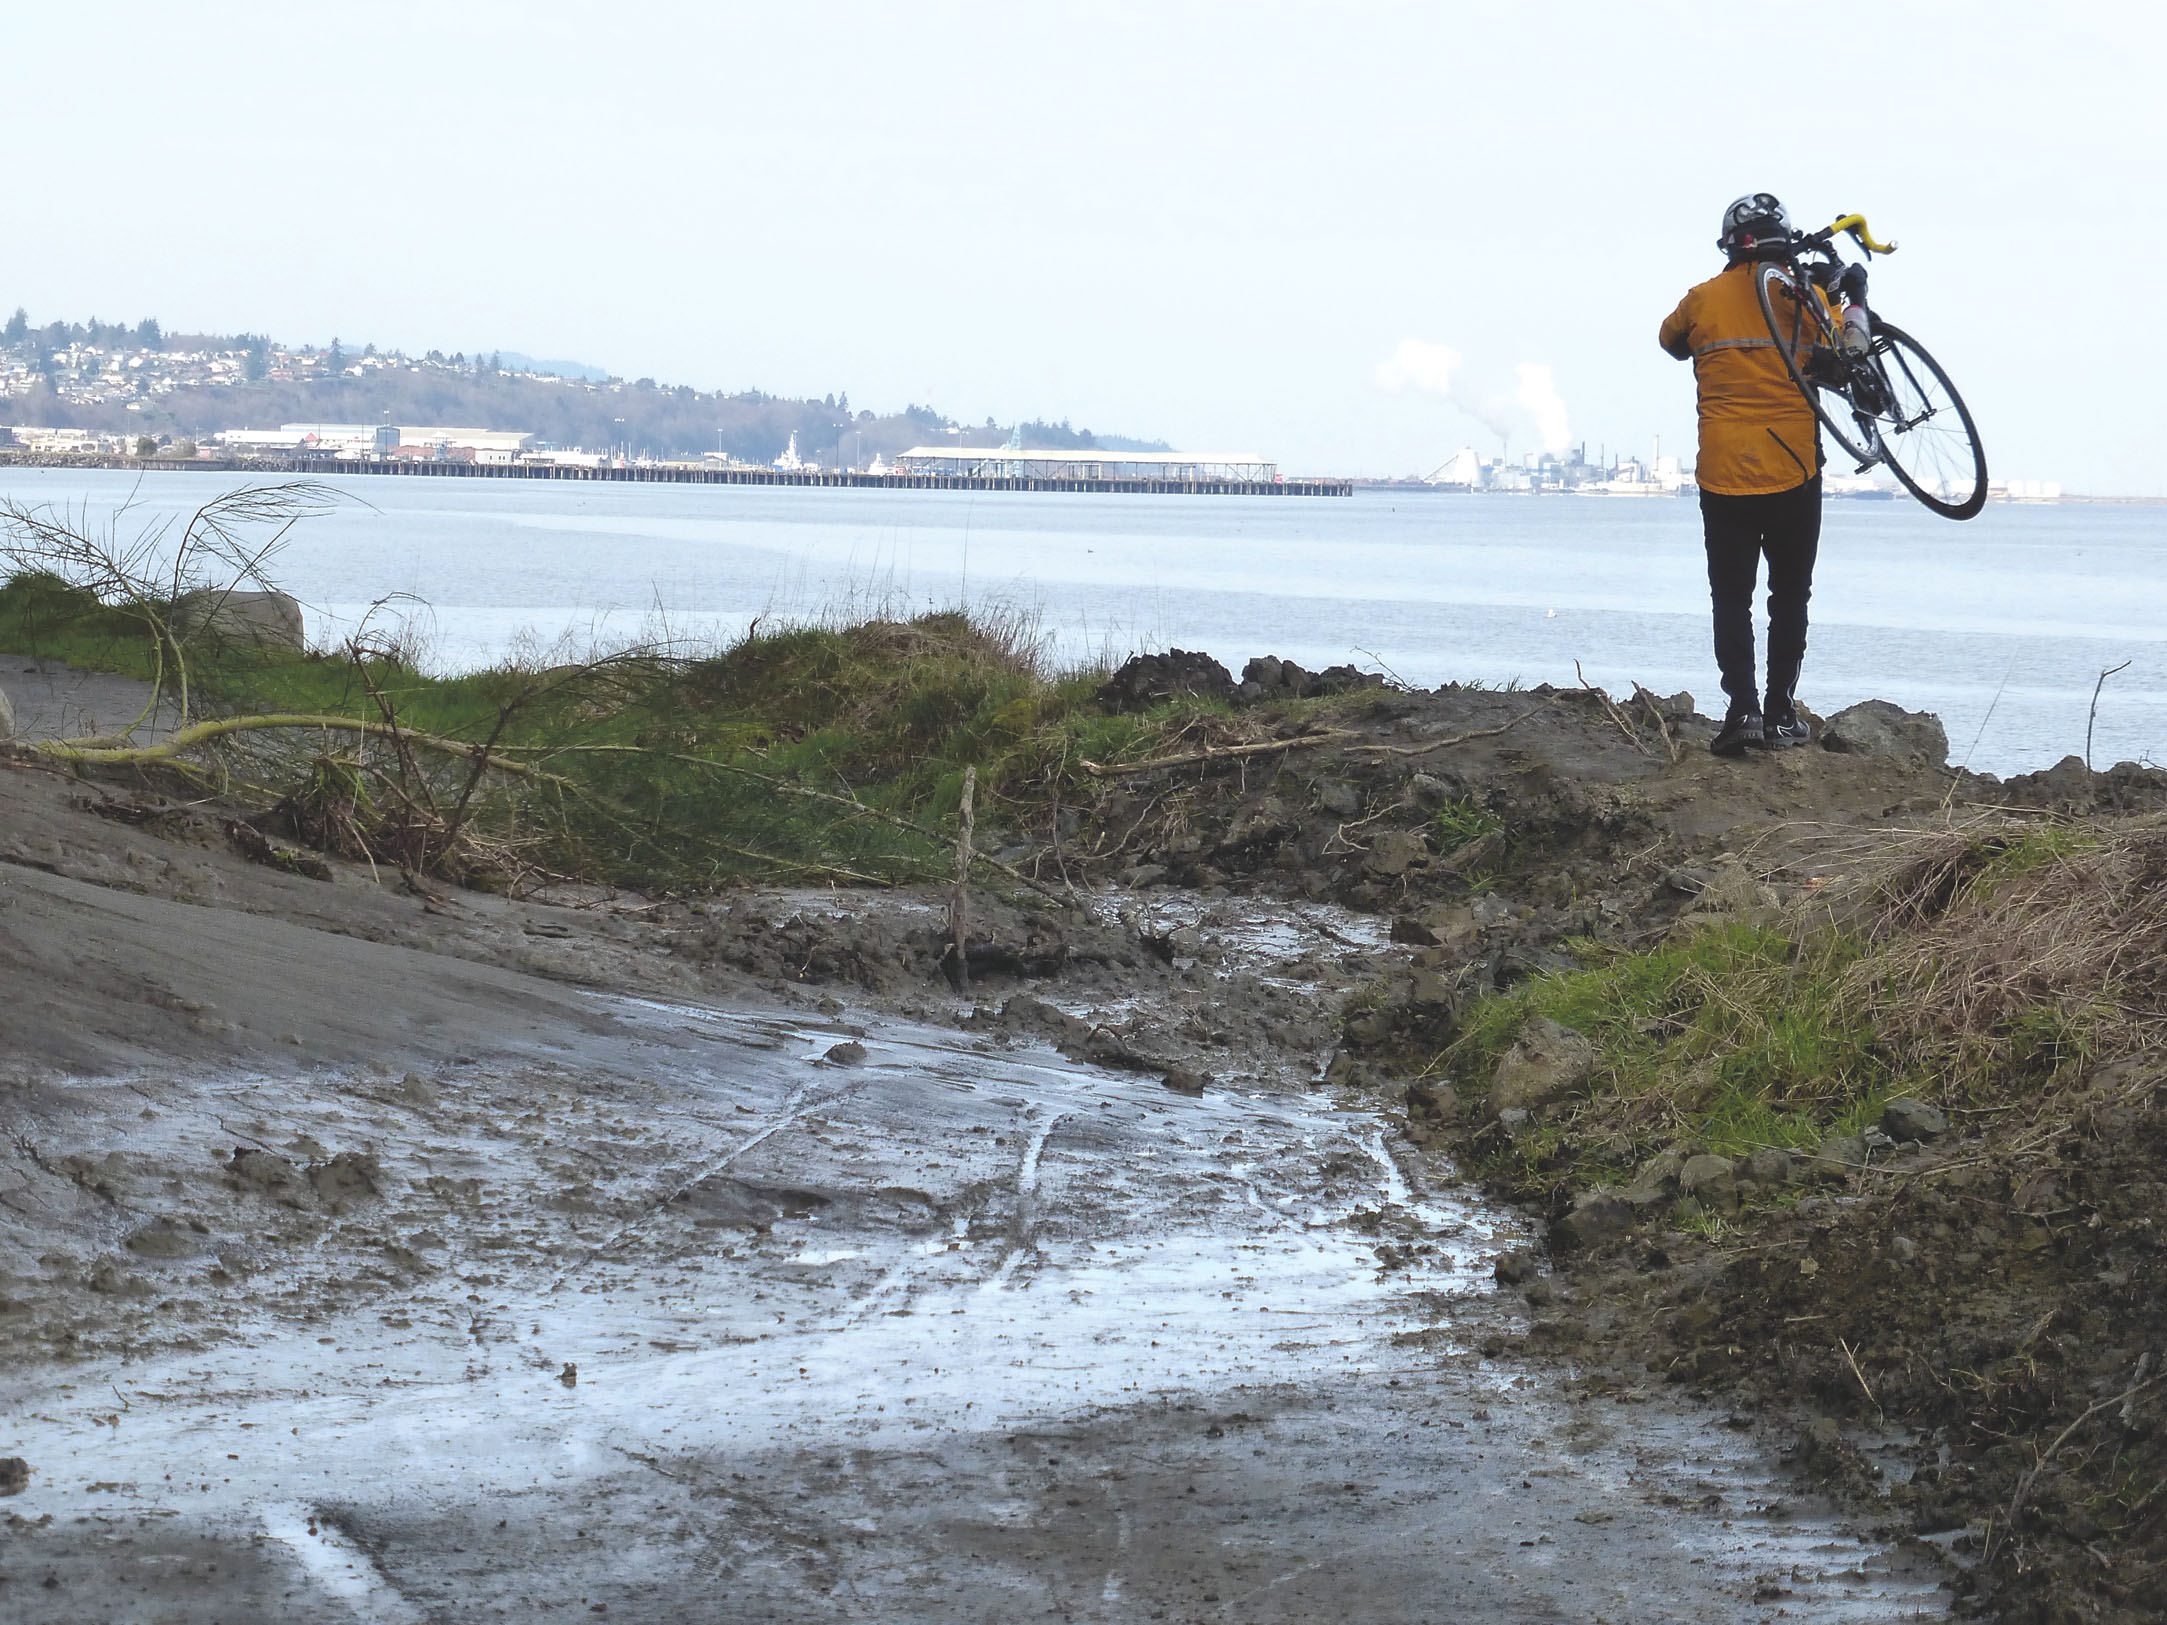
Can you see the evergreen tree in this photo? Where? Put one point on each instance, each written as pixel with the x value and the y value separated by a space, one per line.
pixel 18 328
pixel 148 334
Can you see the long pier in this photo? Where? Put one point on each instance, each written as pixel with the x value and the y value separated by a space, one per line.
pixel 688 474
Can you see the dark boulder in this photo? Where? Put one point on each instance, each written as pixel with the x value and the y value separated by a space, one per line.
pixel 1148 680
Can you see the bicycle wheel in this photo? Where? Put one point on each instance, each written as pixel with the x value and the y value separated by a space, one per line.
pixel 1799 323
pixel 1927 436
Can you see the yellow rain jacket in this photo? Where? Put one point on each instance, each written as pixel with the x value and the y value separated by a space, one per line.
pixel 1756 430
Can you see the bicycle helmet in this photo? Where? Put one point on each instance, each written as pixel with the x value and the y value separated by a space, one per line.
pixel 1758 220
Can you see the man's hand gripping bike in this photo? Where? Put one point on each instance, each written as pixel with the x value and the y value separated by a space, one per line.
pixel 1884 401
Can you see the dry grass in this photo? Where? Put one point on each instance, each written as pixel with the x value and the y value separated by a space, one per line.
pixel 2020 945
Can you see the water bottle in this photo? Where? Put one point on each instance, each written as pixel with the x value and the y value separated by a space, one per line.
pixel 1857 330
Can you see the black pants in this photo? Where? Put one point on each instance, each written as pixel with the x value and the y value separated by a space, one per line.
pixel 1786 526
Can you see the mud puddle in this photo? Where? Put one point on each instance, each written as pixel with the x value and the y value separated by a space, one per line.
pixel 734 1324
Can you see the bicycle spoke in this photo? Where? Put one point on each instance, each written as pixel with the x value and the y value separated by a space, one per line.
pixel 1927 436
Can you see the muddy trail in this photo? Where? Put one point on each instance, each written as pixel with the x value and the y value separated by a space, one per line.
pixel 381 1250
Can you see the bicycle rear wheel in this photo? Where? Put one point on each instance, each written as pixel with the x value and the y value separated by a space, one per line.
pixel 1927 436
pixel 1799 323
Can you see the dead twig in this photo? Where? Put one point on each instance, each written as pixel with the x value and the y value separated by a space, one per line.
pixel 1865 1387
pixel 2024 1484
pixel 1625 727
pixel 1662 723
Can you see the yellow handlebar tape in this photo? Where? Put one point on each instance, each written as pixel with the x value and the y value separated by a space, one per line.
pixel 1855 224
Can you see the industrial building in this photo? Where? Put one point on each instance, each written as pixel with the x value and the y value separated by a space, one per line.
pixel 1011 462
pixel 312 439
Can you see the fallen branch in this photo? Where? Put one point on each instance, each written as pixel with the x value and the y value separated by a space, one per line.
pixel 1455 739
pixel 1212 753
pixel 174 744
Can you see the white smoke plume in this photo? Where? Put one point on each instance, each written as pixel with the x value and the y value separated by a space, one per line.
pixel 1538 392
pixel 1429 368
pixel 1435 369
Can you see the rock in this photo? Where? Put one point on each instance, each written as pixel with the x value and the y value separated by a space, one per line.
pixel 848 1053
pixel 1689 882
pixel 1840 1156
pixel 1907 1119
pixel 1185 1080
pixel 1149 680
pixel 1770 1169
pixel 1597 1219
pixel 7 730
pixel 1347 680
pixel 1656 1180
pixel 417 1090
pixel 1140 875
pixel 1411 930
pixel 1429 793
pixel 569 1376
pixel 1370 1029
pixel 1514 1121
pixel 1341 797
pixel 1429 993
pixel 1514 1267
pixel 1877 728
pixel 1395 851
pixel 1712 1181
pixel 270 619
pixel 1546 1063
pixel 1903 1250
pixel 14 1475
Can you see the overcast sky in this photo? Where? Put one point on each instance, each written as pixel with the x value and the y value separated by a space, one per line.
pixel 1349 237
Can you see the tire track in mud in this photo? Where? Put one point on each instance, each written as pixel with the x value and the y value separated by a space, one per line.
pixel 795 1105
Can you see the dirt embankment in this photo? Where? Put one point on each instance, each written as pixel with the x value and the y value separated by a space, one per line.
pixel 1990 1285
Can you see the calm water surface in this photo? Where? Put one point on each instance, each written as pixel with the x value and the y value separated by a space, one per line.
pixel 2001 625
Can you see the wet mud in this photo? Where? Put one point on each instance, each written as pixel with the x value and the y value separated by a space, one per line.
pixel 370 1251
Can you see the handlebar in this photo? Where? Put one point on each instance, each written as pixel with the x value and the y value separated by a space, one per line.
pixel 1855 226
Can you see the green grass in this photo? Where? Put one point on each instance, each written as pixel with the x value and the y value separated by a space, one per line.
pixel 1741 1034
pixel 669 766
pixel 1462 823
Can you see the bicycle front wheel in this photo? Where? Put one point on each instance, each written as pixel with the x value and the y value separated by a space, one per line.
pixel 1798 321
pixel 1927 436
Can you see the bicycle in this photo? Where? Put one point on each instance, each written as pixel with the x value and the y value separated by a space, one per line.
pixel 1889 402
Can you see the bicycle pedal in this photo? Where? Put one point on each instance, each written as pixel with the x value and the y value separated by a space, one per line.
pixel 1863 467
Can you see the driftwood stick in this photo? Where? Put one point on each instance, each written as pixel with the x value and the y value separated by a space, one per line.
pixel 1212 753
pixel 1220 753
pixel 959 901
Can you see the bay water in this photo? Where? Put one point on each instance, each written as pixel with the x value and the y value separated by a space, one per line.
pixel 2001 625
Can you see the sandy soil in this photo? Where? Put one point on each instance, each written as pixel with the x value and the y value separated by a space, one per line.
pixel 53 700
pixel 377 1254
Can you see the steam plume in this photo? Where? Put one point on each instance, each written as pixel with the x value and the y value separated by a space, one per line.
pixel 1539 394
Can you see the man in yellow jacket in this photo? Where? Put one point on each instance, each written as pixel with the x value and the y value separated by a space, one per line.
pixel 1759 475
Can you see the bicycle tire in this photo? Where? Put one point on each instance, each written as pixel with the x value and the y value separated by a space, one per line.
pixel 1907 457
pixel 1809 328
